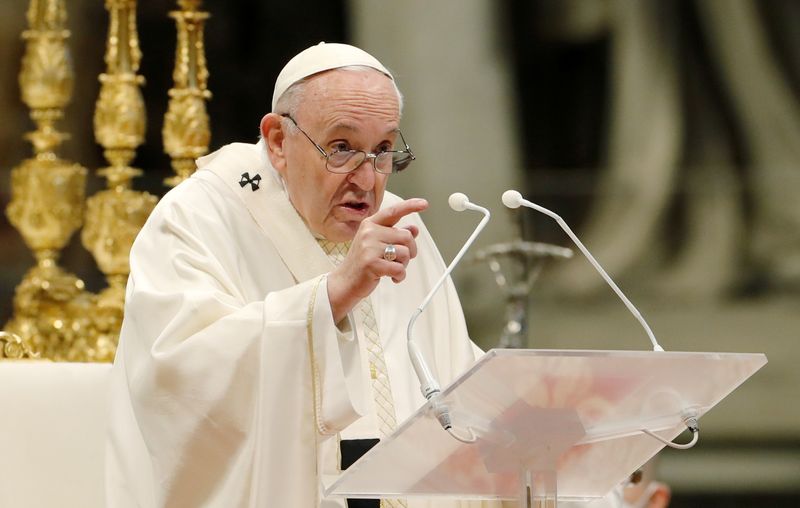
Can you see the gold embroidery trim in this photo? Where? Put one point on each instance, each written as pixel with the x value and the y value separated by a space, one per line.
pixel 315 380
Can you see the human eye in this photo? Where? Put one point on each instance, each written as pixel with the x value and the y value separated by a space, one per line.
pixel 386 146
pixel 339 146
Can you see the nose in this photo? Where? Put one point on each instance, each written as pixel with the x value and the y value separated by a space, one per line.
pixel 363 176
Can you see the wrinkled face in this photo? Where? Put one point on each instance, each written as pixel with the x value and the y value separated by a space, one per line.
pixel 340 110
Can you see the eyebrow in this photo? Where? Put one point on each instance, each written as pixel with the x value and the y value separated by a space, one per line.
pixel 351 128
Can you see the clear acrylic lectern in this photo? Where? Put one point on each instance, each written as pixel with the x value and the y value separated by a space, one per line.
pixel 564 424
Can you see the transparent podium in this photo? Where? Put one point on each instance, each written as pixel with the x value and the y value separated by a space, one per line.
pixel 545 425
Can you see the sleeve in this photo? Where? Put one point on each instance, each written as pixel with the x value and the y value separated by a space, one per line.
pixel 223 389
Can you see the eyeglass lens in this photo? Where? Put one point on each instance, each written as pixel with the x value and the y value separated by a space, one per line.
pixel 385 162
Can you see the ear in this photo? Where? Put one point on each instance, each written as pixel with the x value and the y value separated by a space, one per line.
pixel 274 137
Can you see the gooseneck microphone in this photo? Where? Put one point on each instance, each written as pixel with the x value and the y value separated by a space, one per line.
pixel 513 199
pixel 428 384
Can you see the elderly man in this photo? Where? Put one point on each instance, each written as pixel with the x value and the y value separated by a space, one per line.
pixel 268 300
pixel 264 333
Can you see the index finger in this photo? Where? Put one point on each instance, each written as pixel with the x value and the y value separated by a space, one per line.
pixel 389 216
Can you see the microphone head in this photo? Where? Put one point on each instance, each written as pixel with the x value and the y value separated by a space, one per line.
pixel 458 201
pixel 512 198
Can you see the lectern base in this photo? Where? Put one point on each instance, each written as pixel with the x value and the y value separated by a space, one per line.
pixel 539 489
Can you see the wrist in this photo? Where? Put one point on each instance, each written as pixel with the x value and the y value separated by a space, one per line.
pixel 340 297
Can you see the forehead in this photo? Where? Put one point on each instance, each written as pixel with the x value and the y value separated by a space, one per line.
pixel 339 96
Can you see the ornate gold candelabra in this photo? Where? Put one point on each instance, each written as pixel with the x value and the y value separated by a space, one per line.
pixel 186 129
pixel 114 216
pixel 54 317
pixel 50 305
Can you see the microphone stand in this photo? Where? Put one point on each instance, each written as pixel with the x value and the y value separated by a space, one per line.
pixel 513 199
pixel 428 385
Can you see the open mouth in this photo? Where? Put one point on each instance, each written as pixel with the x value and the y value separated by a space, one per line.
pixel 359 206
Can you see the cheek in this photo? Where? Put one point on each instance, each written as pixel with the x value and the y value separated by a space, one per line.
pixel 303 191
pixel 320 190
pixel 380 186
pixel 302 177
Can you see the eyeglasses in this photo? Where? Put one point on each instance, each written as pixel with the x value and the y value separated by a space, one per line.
pixel 346 161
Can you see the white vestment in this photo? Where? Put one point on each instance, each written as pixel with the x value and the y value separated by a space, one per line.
pixel 232 384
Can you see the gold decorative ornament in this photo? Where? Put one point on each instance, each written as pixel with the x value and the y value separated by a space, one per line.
pixel 186 130
pixel 47 196
pixel 114 216
pixel 13 347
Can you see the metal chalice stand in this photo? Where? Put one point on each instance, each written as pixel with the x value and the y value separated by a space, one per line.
pixel 516 266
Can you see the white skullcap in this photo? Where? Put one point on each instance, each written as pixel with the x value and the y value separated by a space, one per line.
pixel 322 57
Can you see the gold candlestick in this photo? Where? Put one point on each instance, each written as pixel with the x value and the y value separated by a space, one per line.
pixel 115 216
pixel 186 129
pixel 47 194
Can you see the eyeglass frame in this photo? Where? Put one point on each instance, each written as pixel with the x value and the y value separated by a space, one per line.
pixel 367 155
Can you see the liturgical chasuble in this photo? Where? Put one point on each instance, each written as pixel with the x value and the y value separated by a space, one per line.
pixel 232 386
